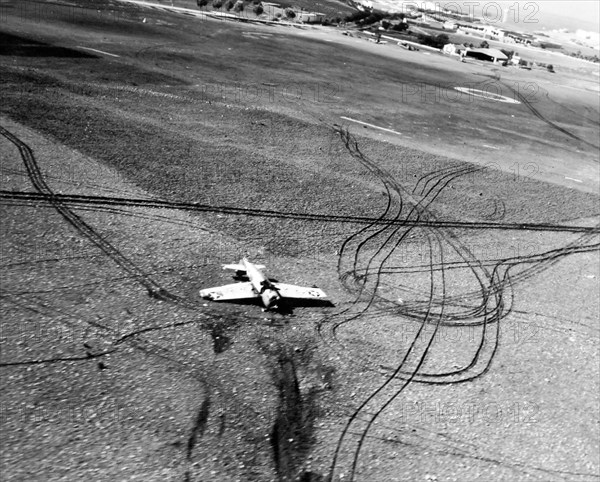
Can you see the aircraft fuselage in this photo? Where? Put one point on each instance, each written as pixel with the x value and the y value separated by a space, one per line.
pixel 269 296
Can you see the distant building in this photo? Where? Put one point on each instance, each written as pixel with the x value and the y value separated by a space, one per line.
pixel 453 49
pixel 492 55
pixel 519 62
pixel 517 38
pixel 427 6
pixel 311 17
pixel 270 8
pixel 471 29
pixel 481 30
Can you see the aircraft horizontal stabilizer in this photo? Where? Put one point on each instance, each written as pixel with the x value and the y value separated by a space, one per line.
pixel 241 267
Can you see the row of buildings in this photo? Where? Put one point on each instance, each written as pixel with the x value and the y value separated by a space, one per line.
pixel 490 32
pixel 301 16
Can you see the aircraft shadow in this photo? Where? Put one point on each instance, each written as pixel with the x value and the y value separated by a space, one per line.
pixel 286 305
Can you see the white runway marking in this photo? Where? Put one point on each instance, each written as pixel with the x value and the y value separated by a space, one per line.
pixel 371 125
pixel 573 179
pixel 96 50
pixel 487 94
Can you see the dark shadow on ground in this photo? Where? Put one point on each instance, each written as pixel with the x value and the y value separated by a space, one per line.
pixel 24 47
pixel 286 305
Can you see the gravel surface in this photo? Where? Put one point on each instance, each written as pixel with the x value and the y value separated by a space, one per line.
pixel 464 353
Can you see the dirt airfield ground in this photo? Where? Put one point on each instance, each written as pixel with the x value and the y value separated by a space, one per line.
pixel 459 247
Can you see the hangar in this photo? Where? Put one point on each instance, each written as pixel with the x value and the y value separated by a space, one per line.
pixel 493 55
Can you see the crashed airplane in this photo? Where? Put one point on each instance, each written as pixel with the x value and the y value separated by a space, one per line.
pixel 258 285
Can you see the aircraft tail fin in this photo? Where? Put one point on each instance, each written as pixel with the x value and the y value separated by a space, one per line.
pixel 241 267
pixel 235 267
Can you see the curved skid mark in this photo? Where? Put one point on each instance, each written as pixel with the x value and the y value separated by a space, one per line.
pixel 495 296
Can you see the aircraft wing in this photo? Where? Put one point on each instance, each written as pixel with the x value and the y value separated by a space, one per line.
pixel 292 291
pixel 234 291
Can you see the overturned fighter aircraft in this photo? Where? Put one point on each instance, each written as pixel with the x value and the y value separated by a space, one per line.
pixel 258 285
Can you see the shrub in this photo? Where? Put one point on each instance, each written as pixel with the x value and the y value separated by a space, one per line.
pixel 239 6
pixel 373 18
pixel 217 3
pixel 400 27
pixel 441 40
pixel 258 10
pixel 436 42
pixel 229 5
pixel 202 3
pixel 289 13
pixel 356 16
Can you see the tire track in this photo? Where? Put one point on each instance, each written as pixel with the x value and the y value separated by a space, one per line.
pixel 540 116
pixel 495 295
pixel 154 289
pixel 35 175
pixel 101 201
pixel 386 398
